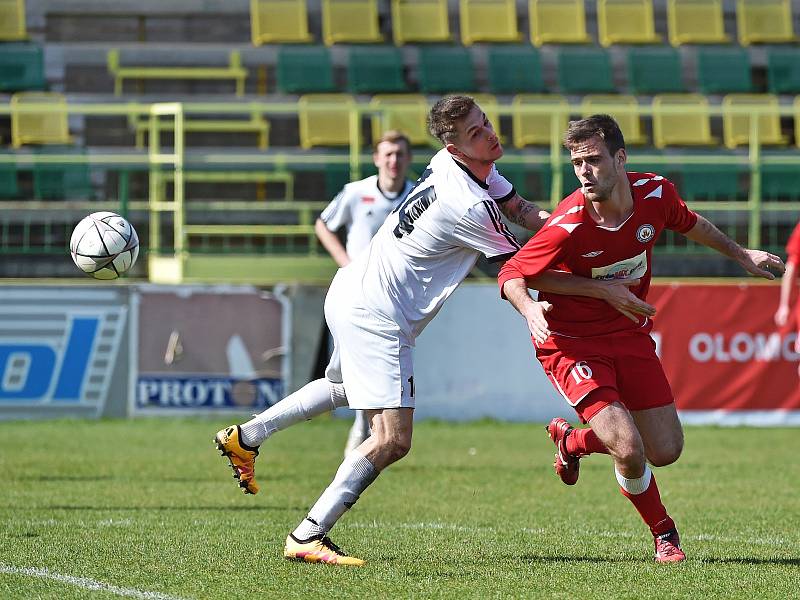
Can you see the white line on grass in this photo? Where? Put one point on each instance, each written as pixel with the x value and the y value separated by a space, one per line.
pixel 83 582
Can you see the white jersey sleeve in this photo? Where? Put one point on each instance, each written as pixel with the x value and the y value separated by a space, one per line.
pixel 500 188
pixel 338 214
pixel 482 228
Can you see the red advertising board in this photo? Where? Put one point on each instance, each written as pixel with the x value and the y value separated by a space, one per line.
pixel 722 351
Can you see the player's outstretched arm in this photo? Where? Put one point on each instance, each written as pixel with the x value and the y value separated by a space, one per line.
pixel 516 292
pixel 755 262
pixel 614 291
pixel 331 243
pixel 523 213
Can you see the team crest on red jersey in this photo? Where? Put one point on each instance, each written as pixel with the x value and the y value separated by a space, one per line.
pixel 645 233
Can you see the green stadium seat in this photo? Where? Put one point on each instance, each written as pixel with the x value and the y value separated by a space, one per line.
pixel 783 70
pixel 711 182
pixel 374 69
pixel 9 188
pixel 723 70
pixel 655 70
pixel 61 181
pixel 584 71
pixel 514 69
pixel 302 69
pixel 442 70
pixel 779 182
pixel 21 67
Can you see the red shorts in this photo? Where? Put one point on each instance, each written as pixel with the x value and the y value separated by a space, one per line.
pixel 626 363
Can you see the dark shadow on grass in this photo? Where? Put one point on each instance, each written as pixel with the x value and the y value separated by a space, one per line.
pixel 67 478
pixel 533 558
pixel 168 508
pixel 794 562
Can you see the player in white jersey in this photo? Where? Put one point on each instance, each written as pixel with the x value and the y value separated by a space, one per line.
pixel 361 208
pixel 379 303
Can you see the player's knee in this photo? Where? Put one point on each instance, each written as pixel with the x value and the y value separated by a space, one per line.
pixel 629 453
pixel 667 453
pixel 399 447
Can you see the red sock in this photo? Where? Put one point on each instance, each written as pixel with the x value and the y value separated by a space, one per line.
pixel 581 442
pixel 649 505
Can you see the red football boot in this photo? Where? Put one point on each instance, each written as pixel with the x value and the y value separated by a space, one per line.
pixel 567 466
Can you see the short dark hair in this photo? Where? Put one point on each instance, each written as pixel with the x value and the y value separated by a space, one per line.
pixel 393 136
pixel 602 126
pixel 446 113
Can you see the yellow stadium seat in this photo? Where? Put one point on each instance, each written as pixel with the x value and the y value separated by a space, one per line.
pixel 279 21
pixel 623 108
pixel 39 118
pixel 626 22
pixel 797 121
pixel 488 21
pixel 350 21
pixel 536 127
pixel 325 119
pixel 420 21
pixel 767 21
pixel 12 20
pixel 696 22
pixel 736 124
pixel 681 120
pixel 557 22
pixel 405 112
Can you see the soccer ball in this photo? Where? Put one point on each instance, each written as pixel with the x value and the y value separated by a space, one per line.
pixel 104 245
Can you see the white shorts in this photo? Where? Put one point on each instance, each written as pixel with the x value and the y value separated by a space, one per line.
pixel 371 356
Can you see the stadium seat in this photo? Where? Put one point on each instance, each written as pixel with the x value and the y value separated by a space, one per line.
pixel 12 21
pixel 488 21
pixel 420 21
pixel 796 107
pixel 39 118
pixel 536 127
pixel 525 76
pixel 737 112
pixel 325 119
pixel 301 69
pixel 682 120
pixel 779 182
pixel 723 70
pixel 623 108
pixel 350 21
pixel 444 69
pixel 711 182
pixel 406 112
pixel 655 70
pixel 764 21
pixel 373 69
pixel 783 70
pixel 626 22
pixel 585 71
pixel 21 67
pixel 696 22
pixel 278 21
pixel 9 188
pixel 557 22
pixel 61 181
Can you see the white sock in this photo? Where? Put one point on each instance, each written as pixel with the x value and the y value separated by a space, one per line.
pixel 355 474
pixel 635 486
pixel 315 398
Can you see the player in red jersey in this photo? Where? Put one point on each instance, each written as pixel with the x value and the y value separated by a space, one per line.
pixel 789 278
pixel 603 364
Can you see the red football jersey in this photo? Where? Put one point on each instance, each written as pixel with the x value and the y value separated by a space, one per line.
pixel 572 241
pixel 793 246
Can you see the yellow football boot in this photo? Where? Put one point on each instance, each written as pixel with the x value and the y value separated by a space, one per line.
pixel 318 549
pixel 241 457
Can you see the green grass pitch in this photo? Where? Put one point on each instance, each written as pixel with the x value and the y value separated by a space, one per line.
pixel 148 509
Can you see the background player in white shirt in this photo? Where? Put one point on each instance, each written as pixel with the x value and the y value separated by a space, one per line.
pixel 379 304
pixel 361 208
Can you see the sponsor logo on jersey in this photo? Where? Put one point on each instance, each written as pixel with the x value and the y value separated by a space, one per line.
pixel 368 199
pixel 645 233
pixel 630 268
pixel 592 254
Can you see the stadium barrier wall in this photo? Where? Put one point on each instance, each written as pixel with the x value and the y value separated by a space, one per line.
pixel 112 350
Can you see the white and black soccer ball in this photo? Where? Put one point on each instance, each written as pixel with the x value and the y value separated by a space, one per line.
pixel 104 245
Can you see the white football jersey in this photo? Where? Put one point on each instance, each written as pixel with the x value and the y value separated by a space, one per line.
pixel 361 208
pixel 429 244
